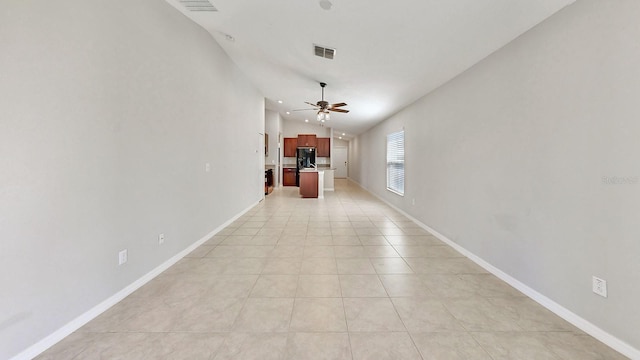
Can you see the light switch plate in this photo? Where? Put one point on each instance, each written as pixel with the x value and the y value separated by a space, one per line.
pixel 599 286
pixel 122 257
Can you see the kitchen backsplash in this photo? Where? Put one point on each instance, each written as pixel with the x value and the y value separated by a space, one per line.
pixel 319 160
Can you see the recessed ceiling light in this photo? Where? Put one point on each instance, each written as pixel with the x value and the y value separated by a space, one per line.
pixel 306 120
pixel 288 113
pixel 279 101
pixel 325 4
pixel 340 137
pixel 342 134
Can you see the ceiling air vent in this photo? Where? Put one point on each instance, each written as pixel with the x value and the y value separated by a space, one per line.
pixel 324 52
pixel 198 5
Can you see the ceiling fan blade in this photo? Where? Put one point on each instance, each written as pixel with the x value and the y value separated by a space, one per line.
pixel 339 110
pixel 316 105
pixel 337 105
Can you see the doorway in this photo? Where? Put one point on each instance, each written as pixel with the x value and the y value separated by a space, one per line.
pixel 339 159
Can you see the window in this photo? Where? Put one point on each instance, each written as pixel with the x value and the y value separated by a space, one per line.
pixel 395 162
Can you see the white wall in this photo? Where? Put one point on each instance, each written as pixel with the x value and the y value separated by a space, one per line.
pixel 281 145
pixel 508 161
pixel 292 128
pixel 357 161
pixel 340 143
pixel 272 122
pixel 109 112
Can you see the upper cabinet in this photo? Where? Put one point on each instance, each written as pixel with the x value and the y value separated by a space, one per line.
pixel 324 147
pixel 290 147
pixel 307 140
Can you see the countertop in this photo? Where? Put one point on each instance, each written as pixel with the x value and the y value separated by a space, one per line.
pixel 320 166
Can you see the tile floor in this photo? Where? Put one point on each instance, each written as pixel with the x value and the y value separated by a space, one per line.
pixel 346 277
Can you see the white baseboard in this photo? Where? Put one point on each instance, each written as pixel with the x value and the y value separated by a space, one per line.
pixel 52 339
pixel 579 322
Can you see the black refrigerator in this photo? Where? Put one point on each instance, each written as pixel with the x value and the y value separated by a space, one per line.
pixel 306 159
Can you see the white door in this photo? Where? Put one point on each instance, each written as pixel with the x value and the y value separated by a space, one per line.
pixel 339 160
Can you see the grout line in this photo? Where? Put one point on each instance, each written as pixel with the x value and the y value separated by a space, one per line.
pixel 355 205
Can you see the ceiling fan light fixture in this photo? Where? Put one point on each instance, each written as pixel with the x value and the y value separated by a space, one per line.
pixel 323 108
pixel 323 116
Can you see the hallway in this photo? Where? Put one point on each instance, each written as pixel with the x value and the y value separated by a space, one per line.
pixel 346 277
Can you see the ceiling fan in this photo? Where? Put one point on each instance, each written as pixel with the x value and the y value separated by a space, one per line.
pixel 323 107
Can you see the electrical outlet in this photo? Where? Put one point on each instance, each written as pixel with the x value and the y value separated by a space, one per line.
pixel 599 286
pixel 207 167
pixel 160 239
pixel 122 257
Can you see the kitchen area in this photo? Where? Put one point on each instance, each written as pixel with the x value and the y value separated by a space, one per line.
pixel 298 155
pixel 307 164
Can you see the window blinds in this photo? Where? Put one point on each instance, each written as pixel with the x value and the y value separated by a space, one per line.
pixel 395 162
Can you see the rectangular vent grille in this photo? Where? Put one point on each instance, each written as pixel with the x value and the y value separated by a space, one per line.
pixel 325 52
pixel 198 5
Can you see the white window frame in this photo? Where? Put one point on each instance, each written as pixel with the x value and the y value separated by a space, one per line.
pixel 395 157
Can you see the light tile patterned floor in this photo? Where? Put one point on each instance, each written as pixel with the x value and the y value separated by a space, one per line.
pixel 346 277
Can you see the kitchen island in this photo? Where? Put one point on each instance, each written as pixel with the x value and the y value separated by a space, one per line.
pixel 312 183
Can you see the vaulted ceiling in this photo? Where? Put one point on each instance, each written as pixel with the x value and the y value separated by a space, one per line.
pixel 388 53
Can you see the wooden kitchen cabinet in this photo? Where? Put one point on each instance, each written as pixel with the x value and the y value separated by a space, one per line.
pixel 324 147
pixel 289 177
pixel 290 147
pixel 309 184
pixel 307 140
